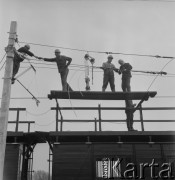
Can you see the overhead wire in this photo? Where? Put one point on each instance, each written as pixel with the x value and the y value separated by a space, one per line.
pixel 158 74
pixel 81 69
pixel 130 54
pixel 2 61
pixel 103 52
pixel 41 114
pixel 2 66
pixel 3 58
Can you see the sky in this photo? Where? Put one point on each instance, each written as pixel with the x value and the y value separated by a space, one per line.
pixel 130 27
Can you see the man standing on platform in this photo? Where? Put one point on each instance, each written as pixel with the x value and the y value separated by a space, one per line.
pixel 125 70
pixel 109 69
pixel 62 63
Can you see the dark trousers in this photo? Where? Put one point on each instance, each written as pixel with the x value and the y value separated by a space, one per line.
pixel 16 65
pixel 126 87
pixel 108 78
pixel 129 104
pixel 65 85
pixel 129 119
pixel 126 84
pixel 129 115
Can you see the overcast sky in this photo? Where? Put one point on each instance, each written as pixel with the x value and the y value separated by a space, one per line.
pixel 133 27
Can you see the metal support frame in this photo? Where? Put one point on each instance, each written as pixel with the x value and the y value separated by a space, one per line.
pixel 141 117
pixel 95 123
pixel 99 114
pixel 50 163
pixel 57 116
pixel 17 121
pixel 58 110
pixel 100 120
pixel 27 152
pixel 22 122
pixel 139 107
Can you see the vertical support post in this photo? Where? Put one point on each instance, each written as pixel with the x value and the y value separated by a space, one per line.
pixel 141 117
pixel 24 172
pixel 49 164
pixel 95 124
pixel 28 127
pixel 61 124
pixel 31 175
pixel 6 94
pixel 17 120
pixel 99 113
pixel 56 116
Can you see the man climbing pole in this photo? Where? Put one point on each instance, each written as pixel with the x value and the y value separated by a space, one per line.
pixel 125 70
pixel 62 63
pixel 19 56
pixel 109 69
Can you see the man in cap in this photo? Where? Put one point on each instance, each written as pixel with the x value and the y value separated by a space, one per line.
pixel 125 70
pixel 19 56
pixel 62 63
pixel 109 69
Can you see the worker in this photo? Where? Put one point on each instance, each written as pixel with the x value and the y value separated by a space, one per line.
pixel 87 79
pixel 62 63
pixel 109 69
pixel 19 56
pixel 125 70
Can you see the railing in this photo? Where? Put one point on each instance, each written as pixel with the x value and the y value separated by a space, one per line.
pixel 97 122
pixel 17 122
pixel 100 120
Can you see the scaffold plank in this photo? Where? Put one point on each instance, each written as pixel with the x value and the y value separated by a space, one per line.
pixel 98 95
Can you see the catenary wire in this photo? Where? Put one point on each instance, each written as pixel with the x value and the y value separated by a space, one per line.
pixel 2 66
pixel 80 69
pixel 158 74
pixel 41 114
pixel 102 52
pixel 3 58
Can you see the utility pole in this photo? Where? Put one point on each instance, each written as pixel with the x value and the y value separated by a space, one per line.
pixel 6 94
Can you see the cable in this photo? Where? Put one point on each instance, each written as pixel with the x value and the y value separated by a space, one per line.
pixel 102 52
pixel 51 64
pixel 38 114
pixel 2 66
pixel 82 67
pixel 3 58
pixel 79 69
pixel 158 74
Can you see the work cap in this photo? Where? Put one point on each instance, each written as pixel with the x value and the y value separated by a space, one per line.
pixel 57 51
pixel 86 56
pixel 110 57
pixel 120 61
pixel 28 46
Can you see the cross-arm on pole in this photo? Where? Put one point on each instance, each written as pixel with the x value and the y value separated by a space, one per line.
pixel 6 94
